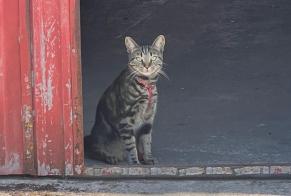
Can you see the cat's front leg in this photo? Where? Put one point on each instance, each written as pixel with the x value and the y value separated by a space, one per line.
pixel 129 140
pixel 145 141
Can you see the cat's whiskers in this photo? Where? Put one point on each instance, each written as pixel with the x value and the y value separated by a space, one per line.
pixel 132 75
pixel 162 73
pixel 165 63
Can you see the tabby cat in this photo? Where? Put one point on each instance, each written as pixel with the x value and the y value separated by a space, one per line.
pixel 126 111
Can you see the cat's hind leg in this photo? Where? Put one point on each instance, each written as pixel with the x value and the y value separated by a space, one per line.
pixel 105 148
pixel 106 154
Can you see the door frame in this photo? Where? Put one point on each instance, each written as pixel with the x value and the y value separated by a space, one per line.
pixel 41 115
pixel 57 89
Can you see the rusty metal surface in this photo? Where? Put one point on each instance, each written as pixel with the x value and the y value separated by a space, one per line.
pixel 58 116
pixel 26 88
pixel 41 129
pixel 11 134
pixel 48 89
pixel 77 87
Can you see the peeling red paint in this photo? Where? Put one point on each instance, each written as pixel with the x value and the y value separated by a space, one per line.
pixel 41 129
pixel 47 169
pixel 12 57
pixel 12 163
pixel 27 118
pixel 57 73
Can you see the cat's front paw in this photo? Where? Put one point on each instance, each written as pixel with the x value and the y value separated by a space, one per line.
pixel 133 162
pixel 149 160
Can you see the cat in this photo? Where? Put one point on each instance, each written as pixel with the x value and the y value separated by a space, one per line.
pixel 126 111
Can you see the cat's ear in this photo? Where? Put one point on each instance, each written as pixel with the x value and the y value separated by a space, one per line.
pixel 130 44
pixel 159 43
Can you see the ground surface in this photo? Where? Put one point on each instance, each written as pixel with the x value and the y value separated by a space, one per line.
pixel 139 187
pixel 228 98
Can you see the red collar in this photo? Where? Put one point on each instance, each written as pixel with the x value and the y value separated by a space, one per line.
pixel 149 88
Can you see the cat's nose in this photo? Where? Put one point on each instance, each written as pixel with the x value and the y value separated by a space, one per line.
pixel 147 64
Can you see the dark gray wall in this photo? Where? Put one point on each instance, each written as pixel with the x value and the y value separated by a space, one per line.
pixel 229 61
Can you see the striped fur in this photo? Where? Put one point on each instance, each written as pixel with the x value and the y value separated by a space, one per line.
pixel 126 111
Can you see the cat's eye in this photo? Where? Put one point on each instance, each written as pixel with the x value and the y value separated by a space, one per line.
pixel 154 58
pixel 138 58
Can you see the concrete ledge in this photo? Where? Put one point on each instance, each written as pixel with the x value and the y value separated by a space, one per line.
pixel 195 172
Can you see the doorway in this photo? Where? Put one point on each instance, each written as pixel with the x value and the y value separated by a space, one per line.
pixel 228 97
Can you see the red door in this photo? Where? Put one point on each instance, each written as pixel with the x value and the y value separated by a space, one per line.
pixel 40 81
pixel 16 133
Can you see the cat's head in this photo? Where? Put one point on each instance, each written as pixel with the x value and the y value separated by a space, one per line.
pixel 145 60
